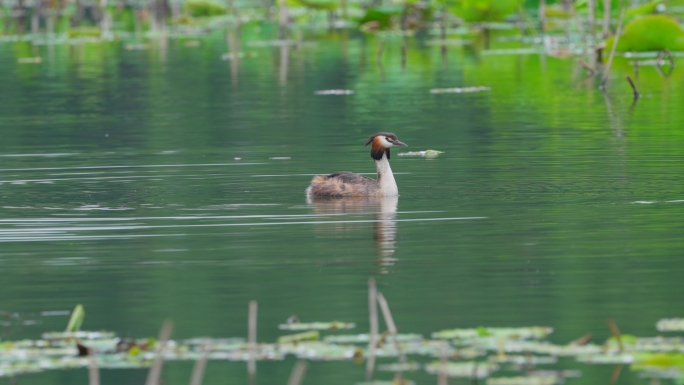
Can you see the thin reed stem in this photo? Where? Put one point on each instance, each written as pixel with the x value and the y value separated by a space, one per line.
pixel 297 374
pixel 251 341
pixel 612 51
pixel 373 335
pixel 155 371
pixel 200 366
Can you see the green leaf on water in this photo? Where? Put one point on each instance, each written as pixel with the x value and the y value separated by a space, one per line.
pixel 312 335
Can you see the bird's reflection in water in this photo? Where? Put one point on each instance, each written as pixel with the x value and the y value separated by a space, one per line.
pixel 362 213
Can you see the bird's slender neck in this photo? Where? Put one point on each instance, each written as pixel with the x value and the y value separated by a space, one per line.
pixel 385 177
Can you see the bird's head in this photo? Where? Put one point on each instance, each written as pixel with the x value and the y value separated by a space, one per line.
pixel 381 144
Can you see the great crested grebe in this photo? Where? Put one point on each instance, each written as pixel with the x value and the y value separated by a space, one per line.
pixel 348 184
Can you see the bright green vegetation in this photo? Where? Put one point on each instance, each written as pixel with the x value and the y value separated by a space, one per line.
pixel 204 8
pixel 650 33
pixel 485 10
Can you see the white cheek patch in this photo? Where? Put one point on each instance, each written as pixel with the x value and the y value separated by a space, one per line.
pixel 385 143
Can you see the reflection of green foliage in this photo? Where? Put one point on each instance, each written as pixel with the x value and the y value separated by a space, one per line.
pixel 557 12
pixel 85 32
pixel 650 33
pixel 319 4
pixel 485 10
pixel 644 9
pixel 382 15
pixel 124 19
pixel 204 8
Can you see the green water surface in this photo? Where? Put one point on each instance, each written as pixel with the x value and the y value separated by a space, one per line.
pixel 169 184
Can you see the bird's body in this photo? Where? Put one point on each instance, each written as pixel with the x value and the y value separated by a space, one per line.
pixel 349 184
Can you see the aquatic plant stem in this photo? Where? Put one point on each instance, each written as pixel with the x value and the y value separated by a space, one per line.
pixel 634 89
pixel 297 374
pixel 591 6
pixel 616 374
pixel 443 29
pixel 612 51
pixel 442 376
pixel 606 18
pixel 392 328
pixel 542 15
pixel 200 366
pixel 283 20
pixel 586 65
pixel 373 334
pixel 381 49
pixel 155 371
pixel 616 333
pixel 93 371
pixel 251 340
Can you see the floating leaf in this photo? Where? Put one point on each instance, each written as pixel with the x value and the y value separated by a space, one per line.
pixel 312 335
pixel 534 332
pixel 468 369
pixel 423 154
pixel 523 359
pixel 334 325
pixel 364 338
pixel 670 324
pixel 334 92
pixel 400 367
pixel 459 90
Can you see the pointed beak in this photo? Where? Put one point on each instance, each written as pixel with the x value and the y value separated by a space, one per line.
pixel 399 143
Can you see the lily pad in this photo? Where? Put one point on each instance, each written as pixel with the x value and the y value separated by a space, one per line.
pixel 334 325
pixel 670 324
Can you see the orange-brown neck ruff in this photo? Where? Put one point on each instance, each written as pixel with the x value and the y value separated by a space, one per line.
pixel 377 149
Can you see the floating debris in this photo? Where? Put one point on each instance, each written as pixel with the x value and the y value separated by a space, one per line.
pixel 459 90
pixel 534 332
pixel 611 359
pixel 281 43
pixel 334 92
pixel 400 367
pixel 467 369
pixel 513 51
pixel 30 60
pixel 449 42
pixel 192 43
pixel 364 338
pixel 523 359
pixel 670 324
pixel 484 351
pixel 422 154
pixel 334 325
pixel 526 380
pixel 238 55
pixel 280 158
